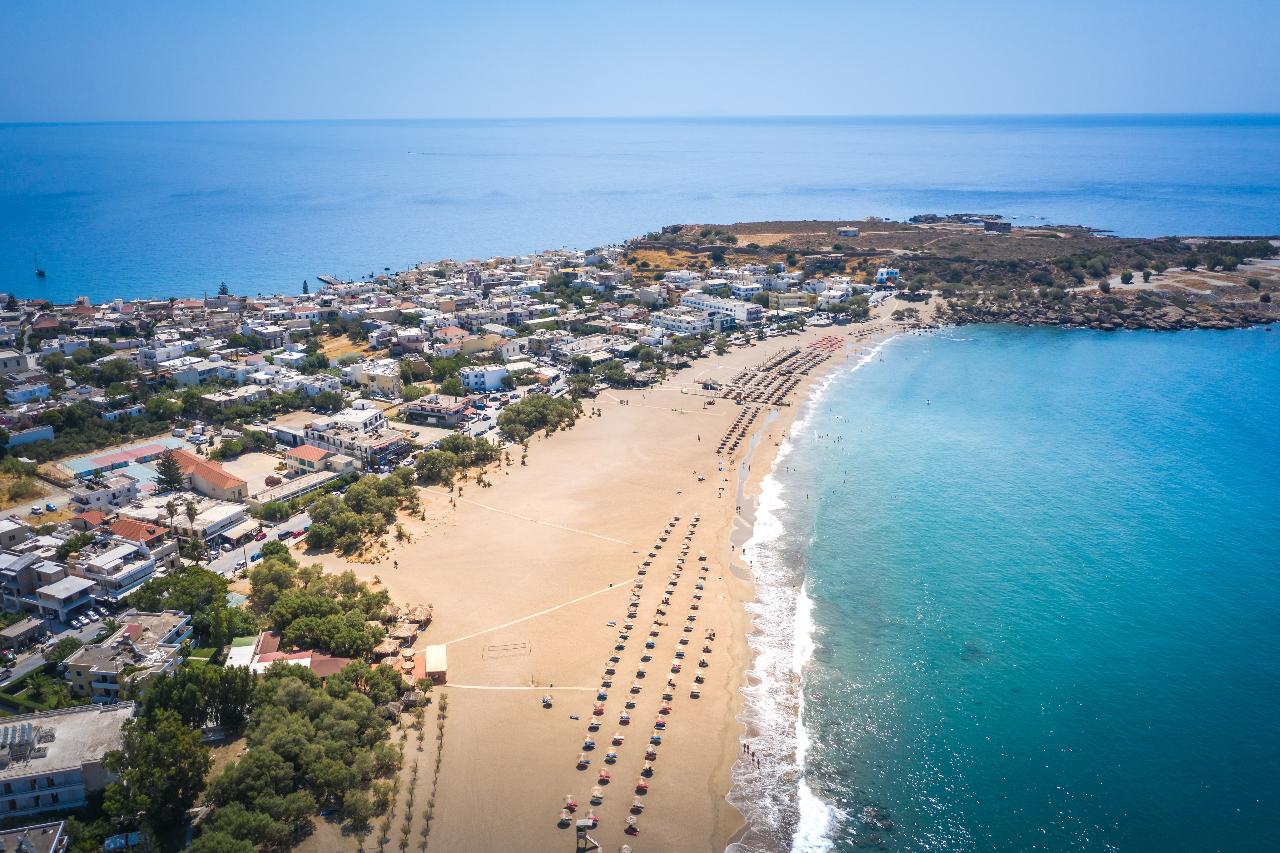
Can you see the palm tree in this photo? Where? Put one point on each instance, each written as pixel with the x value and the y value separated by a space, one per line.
pixel 192 512
pixel 172 509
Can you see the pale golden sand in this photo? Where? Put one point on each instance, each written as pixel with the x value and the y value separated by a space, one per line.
pixel 525 576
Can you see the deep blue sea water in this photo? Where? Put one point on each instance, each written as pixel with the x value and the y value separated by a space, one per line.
pixel 175 209
pixel 1042 575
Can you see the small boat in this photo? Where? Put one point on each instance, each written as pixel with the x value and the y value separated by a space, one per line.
pixel 39 270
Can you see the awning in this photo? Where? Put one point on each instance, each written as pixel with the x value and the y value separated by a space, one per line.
pixel 244 528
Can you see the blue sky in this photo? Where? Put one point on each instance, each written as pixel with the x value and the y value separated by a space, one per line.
pixel 128 60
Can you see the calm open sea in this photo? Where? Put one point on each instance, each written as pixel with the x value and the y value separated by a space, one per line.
pixel 1042 598
pixel 174 209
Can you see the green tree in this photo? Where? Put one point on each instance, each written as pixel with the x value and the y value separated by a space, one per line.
pixel 62 649
pixel 437 467
pixel 168 473
pixel 321 537
pixel 214 841
pixel 55 362
pixel 202 593
pixel 580 385
pixel 453 386
pixel 160 770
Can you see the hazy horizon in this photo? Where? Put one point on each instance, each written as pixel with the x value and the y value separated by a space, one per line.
pixel 656 117
pixel 142 60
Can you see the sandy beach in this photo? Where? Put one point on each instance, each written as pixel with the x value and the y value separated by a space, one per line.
pixel 531 580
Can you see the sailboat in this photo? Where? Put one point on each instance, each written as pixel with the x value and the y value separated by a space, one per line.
pixel 39 271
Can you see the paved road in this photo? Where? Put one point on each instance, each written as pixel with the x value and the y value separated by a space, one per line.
pixel 225 565
pixel 34 659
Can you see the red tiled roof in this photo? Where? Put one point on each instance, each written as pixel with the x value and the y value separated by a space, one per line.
pixel 268 642
pixel 325 666
pixel 194 466
pixel 93 517
pixel 309 453
pixel 136 531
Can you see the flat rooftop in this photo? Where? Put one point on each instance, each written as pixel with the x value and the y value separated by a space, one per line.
pixel 50 741
pixel 41 838
pixel 66 588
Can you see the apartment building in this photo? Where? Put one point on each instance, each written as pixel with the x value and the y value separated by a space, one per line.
pixel 103 493
pixel 52 760
pixel 145 645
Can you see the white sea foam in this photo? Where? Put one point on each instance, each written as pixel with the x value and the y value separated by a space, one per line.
pixel 782 810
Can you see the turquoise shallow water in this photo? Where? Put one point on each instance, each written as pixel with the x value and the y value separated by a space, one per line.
pixel 1045 578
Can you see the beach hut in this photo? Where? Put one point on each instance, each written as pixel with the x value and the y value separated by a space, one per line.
pixel 435 664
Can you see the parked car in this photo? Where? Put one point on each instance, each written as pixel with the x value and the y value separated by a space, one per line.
pixel 93 617
pixel 226 547
pixel 240 564
pixel 255 556
pixel 298 534
pixel 35 510
pixel 50 508
pixel 261 535
pixel 283 534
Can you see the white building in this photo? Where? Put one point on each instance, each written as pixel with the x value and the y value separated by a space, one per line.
pixel 483 378
pixel 115 566
pixel 358 432
pixel 52 760
pixel 681 321
pixel 104 493
pixel 887 275
pixel 742 313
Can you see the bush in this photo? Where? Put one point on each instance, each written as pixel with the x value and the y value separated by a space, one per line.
pixel 24 489
pixel 437 467
pixel 535 412
pixel 62 649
